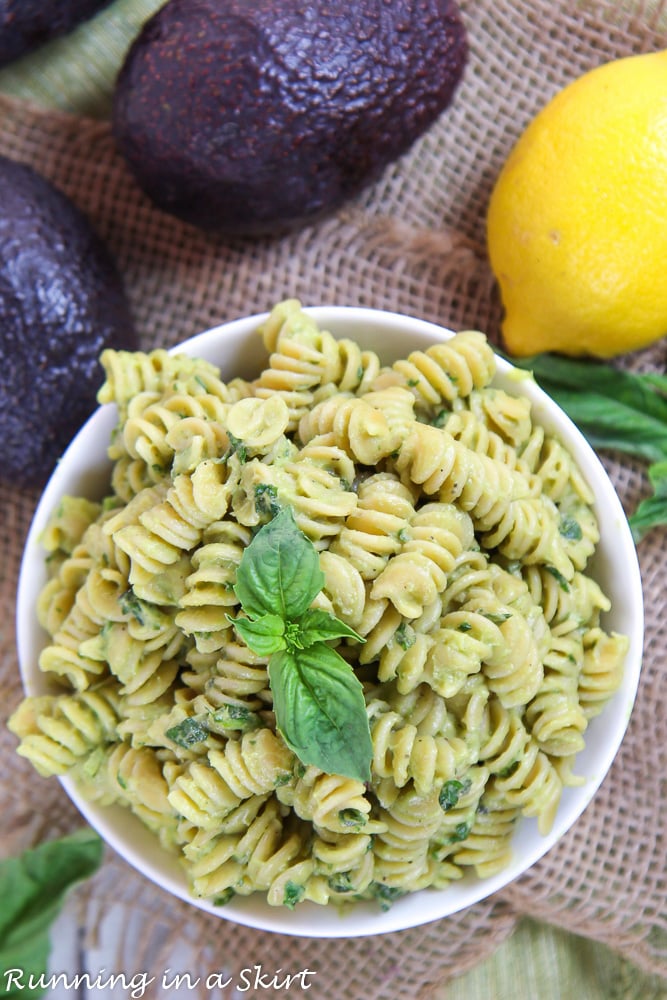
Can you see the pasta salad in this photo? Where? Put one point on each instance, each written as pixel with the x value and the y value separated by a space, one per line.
pixel 446 536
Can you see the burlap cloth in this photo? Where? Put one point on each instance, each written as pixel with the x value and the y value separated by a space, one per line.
pixel 413 243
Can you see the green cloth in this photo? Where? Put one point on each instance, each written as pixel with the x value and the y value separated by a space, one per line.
pixel 76 72
pixel 537 962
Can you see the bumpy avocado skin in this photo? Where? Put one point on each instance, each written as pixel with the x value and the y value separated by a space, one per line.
pixel 248 118
pixel 61 303
pixel 27 24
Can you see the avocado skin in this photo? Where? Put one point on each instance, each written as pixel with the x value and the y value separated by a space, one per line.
pixel 61 303
pixel 253 118
pixel 27 24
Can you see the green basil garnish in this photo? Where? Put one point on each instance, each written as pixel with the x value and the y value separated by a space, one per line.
pixel 317 698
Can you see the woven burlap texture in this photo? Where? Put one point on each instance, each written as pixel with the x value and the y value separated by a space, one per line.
pixel 414 243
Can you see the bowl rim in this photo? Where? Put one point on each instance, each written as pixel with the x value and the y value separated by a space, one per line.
pixel 139 846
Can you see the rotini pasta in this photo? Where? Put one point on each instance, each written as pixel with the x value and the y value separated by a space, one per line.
pixel 58 732
pixel 128 374
pixel 453 535
pixel 209 588
pixel 404 752
pixel 447 371
pixel 206 791
pixel 374 531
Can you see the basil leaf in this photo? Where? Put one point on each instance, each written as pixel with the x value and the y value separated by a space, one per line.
pixel 657 474
pixel 570 528
pixel 558 576
pixel 451 792
pixel 621 410
pixel 405 636
pixel 319 626
pixel 652 511
pixel 236 447
pixel 293 894
pixel 188 733
pixel 353 819
pixel 279 572
pixel 266 499
pixel 615 409
pixel 33 887
pixel 263 635
pixel 460 832
pixel 386 894
pixel 498 617
pixel 646 393
pixel 320 710
pixel 233 716
pixel 659 382
pixel 317 698
pixel 611 424
pixel 131 605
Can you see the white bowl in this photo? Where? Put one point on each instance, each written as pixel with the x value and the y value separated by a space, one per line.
pixel 236 348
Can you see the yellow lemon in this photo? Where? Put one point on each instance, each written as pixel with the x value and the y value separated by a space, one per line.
pixel 577 220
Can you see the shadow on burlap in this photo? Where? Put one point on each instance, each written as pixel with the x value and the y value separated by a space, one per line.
pixel 413 243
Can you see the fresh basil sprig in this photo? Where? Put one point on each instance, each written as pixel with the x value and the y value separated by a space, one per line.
pixel 317 698
pixel 33 887
pixel 616 410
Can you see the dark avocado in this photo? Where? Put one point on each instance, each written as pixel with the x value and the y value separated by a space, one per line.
pixel 61 304
pixel 27 24
pixel 250 118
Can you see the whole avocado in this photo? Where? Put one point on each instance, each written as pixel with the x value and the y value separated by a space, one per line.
pixel 250 118
pixel 27 24
pixel 61 303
